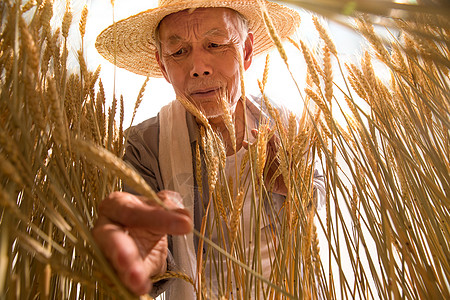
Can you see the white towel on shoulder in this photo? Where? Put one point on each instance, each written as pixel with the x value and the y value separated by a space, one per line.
pixel 175 161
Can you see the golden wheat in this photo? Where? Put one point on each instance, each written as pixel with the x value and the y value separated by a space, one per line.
pixel 386 206
pixel 236 216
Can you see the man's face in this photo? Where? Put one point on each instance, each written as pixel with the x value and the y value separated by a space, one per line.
pixel 199 56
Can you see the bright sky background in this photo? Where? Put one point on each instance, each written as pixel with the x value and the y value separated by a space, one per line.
pixel 280 88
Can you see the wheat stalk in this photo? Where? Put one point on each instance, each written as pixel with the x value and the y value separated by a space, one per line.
pixel 382 234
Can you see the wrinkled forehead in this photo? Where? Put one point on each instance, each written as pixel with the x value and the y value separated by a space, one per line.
pixel 226 17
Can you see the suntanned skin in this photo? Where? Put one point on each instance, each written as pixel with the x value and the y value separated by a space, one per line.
pixel 200 52
pixel 133 235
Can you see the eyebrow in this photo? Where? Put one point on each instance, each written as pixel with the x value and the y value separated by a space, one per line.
pixel 216 32
pixel 173 39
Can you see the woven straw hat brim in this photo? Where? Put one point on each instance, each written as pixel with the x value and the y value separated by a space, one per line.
pixel 129 44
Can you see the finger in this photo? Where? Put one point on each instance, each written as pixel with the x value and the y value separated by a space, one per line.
pixel 255 132
pixel 129 211
pixel 120 249
pixel 245 144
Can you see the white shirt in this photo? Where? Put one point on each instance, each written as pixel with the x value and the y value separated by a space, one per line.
pixel 216 263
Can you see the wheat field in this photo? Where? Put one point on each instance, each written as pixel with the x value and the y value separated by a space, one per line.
pixel 383 231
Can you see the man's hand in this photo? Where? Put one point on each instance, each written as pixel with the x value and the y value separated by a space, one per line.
pixel 133 235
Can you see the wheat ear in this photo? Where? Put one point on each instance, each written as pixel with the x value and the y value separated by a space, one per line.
pixel 105 159
pixel 235 217
pixel 324 35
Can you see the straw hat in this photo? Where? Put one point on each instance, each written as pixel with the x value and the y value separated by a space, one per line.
pixel 135 44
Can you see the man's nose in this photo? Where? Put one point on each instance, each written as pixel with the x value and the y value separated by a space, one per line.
pixel 200 65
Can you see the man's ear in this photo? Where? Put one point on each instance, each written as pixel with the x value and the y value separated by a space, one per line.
pixel 161 66
pixel 248 51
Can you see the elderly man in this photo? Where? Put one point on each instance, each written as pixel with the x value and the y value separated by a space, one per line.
pixel 201 48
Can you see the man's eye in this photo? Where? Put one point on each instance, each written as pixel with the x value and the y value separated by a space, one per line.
pixel 214 45
pixel 179 52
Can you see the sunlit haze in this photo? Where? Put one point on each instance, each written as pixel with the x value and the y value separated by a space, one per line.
pixel 281 87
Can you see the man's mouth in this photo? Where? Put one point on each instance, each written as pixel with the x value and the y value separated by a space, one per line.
pixel 208 92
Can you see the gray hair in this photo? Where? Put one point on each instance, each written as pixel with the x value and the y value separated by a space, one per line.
pixel 243 29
